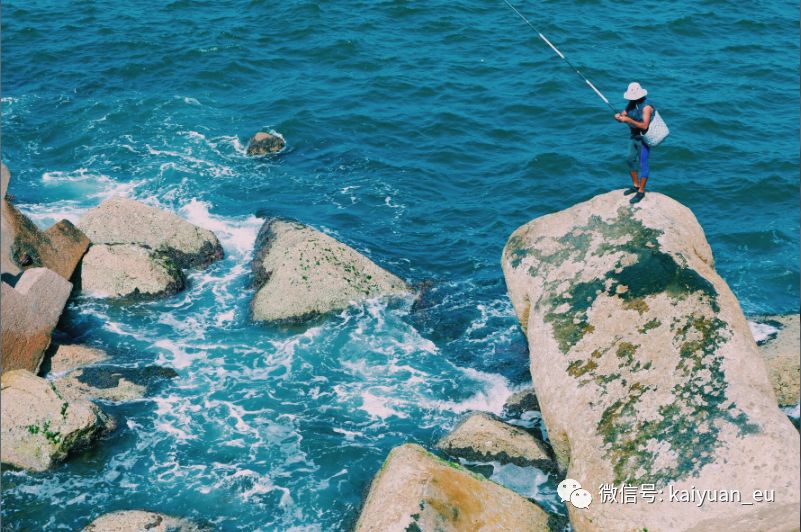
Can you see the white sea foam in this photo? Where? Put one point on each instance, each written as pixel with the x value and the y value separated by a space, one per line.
pixel 762 331
pixel 236 234
pixel 378 406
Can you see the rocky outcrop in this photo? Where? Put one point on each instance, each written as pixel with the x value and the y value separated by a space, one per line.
pixel 126 221
pixel 645 369
pixel 417 491
pixel 5 177
pixel 29 312
pixel 23 245
pixel 140 521
pixel 300 272
pixel 129 270
pixel 264 143
pixel 39 426
pixel 782 354
pixel 67 357
pixel 482 437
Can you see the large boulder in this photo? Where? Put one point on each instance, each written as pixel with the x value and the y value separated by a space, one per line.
pixel 5 177
pixel 29 312
pixel 140 521
pixel 300 272
pixel 129 270
pixel 39 426
pixel 264 143
pixel 483 437
pixel 126 221
pixel 645 368
pixel 782 353
pixel 417 491
pixel 23 245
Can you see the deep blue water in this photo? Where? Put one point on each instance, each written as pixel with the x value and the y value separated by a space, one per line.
pixel 422 133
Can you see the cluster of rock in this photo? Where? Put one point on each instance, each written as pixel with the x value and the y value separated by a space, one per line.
pixel 120 249
pixel 646 373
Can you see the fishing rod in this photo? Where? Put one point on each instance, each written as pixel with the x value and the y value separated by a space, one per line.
pixel 561 55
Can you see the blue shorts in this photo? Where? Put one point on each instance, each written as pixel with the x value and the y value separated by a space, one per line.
pixel 637 158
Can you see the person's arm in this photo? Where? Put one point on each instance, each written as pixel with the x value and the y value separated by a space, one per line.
pixel 644 123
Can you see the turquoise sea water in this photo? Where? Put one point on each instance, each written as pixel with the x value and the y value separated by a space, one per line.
pixel 421 133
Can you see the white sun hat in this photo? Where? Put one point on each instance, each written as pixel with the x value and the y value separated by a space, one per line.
pixel 634 92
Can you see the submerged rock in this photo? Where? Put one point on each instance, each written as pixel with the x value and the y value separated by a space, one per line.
pixel 29 312
pixel 112 383
pixel 67 357
pixel 129 270
pixel 782 354
pixel 645 369
pixel 263 143
pixel 484 438
pixel 140 521
pixel 39 426
pixel 300 272
pixel 415 490
pixel 126 221
pixel 521 402
pixel 23 245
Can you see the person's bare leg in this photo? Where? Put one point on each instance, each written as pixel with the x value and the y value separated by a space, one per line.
pixel 634 179
pixel 641 186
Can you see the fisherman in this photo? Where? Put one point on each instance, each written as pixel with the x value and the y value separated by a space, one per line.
pixel 638 116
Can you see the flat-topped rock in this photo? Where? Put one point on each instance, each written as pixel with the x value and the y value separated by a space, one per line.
pixel 414 490
pixel 264 143
pixel 129 270
pixel 645 368
pixel 126 221
pixel 782 354
pixel 140 521
pixel 39 426
pixel 483 437
pixel 29 312
pixel 300 272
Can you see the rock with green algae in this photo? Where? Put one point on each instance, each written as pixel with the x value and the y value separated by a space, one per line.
pixel 141 521
pixel 645 368
pixel 415 490
pixel 300 273
pixel 39 426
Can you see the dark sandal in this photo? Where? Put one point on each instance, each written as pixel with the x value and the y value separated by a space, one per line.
pixel 637 197
pixel 630 190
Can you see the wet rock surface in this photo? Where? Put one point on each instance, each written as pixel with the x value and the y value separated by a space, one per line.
pixel 265 143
